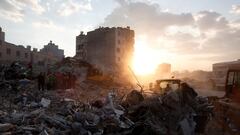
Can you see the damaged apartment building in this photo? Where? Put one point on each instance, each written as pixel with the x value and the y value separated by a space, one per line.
pixel 108 49
pixel 10 52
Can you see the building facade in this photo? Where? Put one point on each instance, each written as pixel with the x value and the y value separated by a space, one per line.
pixel 52 50
pixel 108 49
pixel 81 42
pixel 11 53
pixel 163 70
pixel 220 72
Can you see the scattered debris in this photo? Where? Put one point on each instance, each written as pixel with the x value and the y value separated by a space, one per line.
pixel 99 108
pixel 173 113
pixel 45 102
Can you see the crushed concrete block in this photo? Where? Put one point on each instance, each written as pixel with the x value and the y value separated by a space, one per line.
pixel 6 127
pixel 185 127
pixel 45 102
pixel 133 98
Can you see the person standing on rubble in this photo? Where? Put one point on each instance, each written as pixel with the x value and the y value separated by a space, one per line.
pixel 167 89
pixel 50 81
pixel 41 81
pixel 65 80
pixel 187 93
pixel 30 67
pixel 2 70
pixel 74 79
pixel 68 80
pixel 58 80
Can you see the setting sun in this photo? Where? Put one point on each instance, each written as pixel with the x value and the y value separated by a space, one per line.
pixel 143 61
pixel 146 59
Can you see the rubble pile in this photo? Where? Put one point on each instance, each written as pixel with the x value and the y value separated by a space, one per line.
pixel 80 68
pixel 179 112
pixel 89 91
pixel 29 111
pixel 14 71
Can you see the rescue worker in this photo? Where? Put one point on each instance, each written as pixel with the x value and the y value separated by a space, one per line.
pixel 50 81
pixel 41 81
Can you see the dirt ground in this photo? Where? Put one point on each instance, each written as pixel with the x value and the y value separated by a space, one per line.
pixel 203 92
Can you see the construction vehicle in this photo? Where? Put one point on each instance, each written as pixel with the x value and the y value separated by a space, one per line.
pixel 164 85
pixel 228 108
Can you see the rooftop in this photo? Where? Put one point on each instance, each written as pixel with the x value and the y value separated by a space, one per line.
pixel 228 63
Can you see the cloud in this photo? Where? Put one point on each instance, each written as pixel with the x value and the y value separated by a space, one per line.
pixel 145 17
pixel 150 20
pixel 225 42
pixel 235 9
pixel 184 34
pixel 70 7
pixel 84 28
pixel 14 10
pixel 10 11
pixel 33 4
pixel 48 6
pixel 46 23
pixel 207 20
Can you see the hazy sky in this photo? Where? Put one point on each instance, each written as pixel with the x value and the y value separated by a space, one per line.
pixel 186 33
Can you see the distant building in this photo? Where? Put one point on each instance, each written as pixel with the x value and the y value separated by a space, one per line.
pixel 52 50
pixel 9 53
pixel 2 36
pixel 220 72
pixel 108 49
pixel 163 70
pixel 81 42
pixel 43 61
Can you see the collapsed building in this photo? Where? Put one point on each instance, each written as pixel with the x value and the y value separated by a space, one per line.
pixel 108 49
pixel 10 52
pixel 42 59
pixel 25 110
pixel 93 108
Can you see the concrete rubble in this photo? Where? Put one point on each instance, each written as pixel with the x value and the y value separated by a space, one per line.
pixel 25 110
pixel 28 114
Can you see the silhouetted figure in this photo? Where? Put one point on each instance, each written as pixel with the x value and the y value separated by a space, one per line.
pixel 168 88
pixel 188 93
pixel 59 80
pixel 41 81
pixel 69 82
pixel 51 81
pixel 30 67
pixel 74 79
pixel 65 80
pixel 150 86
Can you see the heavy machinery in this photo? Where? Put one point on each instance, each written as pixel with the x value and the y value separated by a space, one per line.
pixel 164 85
pixel 233 85
pixel 228 107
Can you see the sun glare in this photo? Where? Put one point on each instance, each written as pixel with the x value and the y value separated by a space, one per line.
pixel 146 58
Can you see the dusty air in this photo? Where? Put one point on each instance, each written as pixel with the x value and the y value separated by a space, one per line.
pixel 119 67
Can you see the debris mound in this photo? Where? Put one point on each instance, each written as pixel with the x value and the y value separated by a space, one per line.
pixel 25 110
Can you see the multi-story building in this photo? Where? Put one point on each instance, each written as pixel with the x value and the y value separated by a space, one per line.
pixel 9 53
pixel 108 49
pixel 81 42
pixel 2 36
pixel 52 50
pixel 163 70
pixel 220 72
